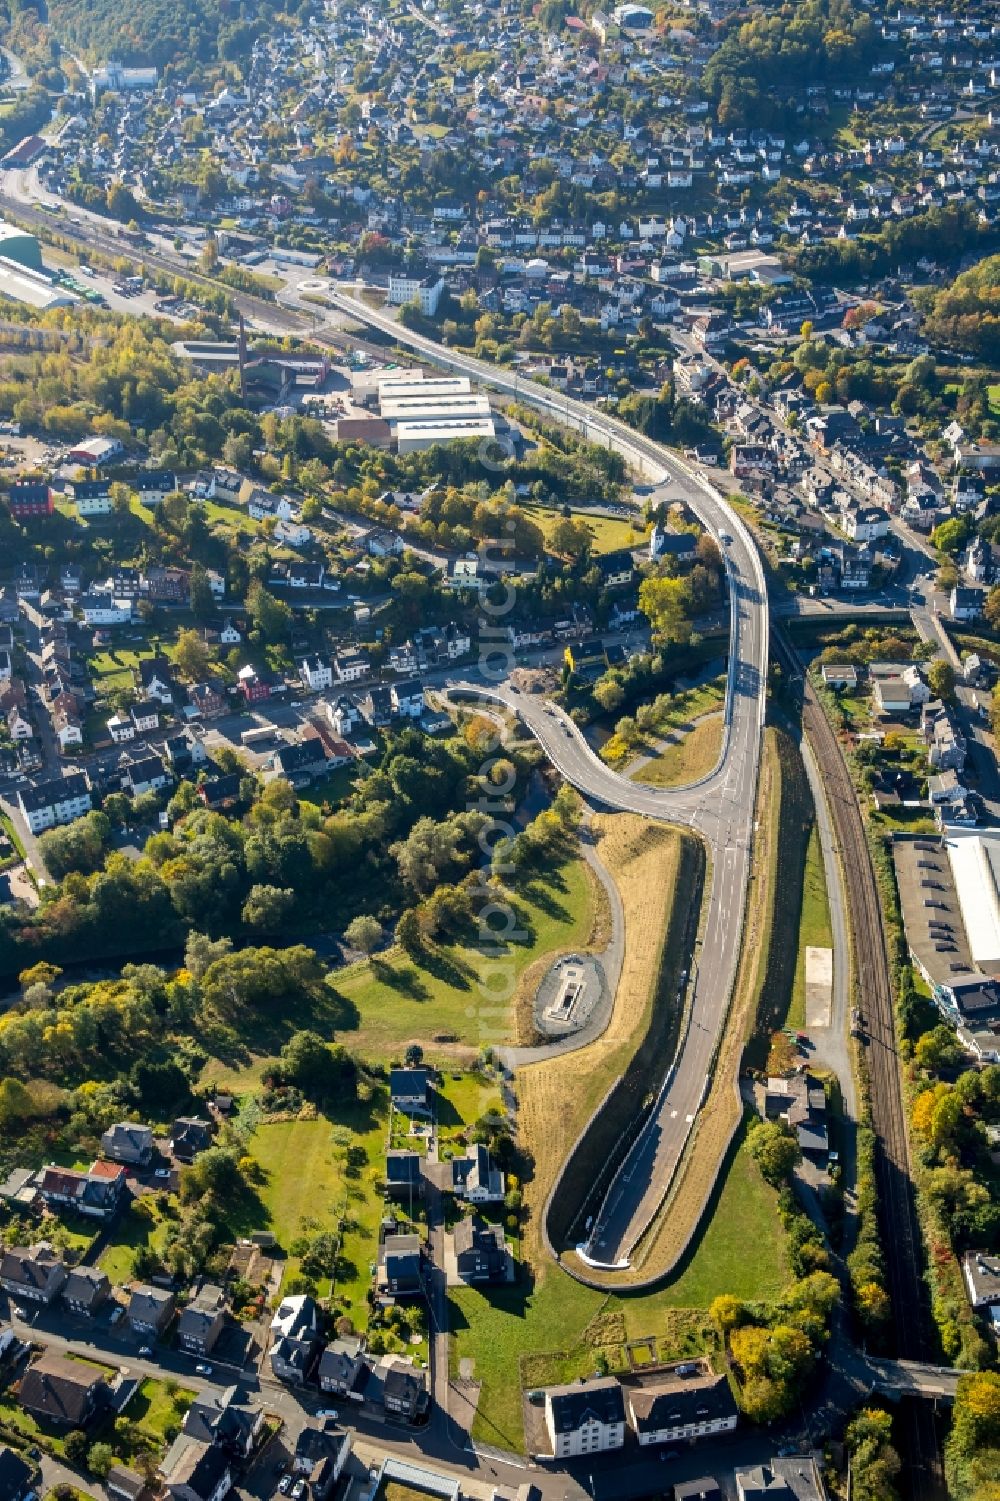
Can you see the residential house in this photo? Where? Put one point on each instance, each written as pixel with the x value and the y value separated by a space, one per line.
pixel 105 609
pixel 946 747
pixel 966 604
pixel 320 1456
pixel 156 680
pixel 403 1176
pixel 409 1090
pixel 146 775
pixel 218 1415
pixel 300 761
pixel 351 666
pixel 379 543
pixel 295 1338
pixel 687 1401
pixel 341 1365
pixel 617 569
pixel 585 1417
pixel 59 801
pixel 32 1274
pixel 208 699
pixel 253 685
pixel 150 1309
pixel 376 706
pixel 62 1392
pixel 124 1484
pixel 404 1392
pixel 202 1320
pixel 407 699
pixel 898 690
pixel 85 1290
pixel 92 497
pixel 17 1476
pixel 839 675
pixel 865 523
pixel 801 1103
pixel 794 1477
pixel 343 714
pixel 28 499
pixel 154 485
pixel 587 656
pixel 200 1472
pixel 145 716
pixel 189 1135
pixel 480 1251
pixel 95 1193
pixel 121 728
pixel 400 1266
pixel 316 674
pixel 475 1179
pixel 221 792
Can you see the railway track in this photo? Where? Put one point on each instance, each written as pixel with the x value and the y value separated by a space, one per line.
pixel 900 1230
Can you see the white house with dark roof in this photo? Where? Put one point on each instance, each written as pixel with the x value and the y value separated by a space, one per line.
pixel 585 1417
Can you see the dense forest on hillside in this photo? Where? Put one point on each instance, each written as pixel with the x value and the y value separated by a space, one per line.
pixel 966 314
pixel 158 33
pixel 792 45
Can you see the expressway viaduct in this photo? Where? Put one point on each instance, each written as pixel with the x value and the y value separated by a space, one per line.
pixel 719 808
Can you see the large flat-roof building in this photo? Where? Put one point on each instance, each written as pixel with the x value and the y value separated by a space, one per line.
pixel 429 408
pixel 413 436
pixel 34 288
pixel 974 856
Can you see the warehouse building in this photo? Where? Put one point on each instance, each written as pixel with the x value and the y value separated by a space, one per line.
pixel 413 436
pixel 974 857
pixel 33 288
pixel 435 408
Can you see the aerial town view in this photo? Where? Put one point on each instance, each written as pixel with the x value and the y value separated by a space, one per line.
pixel 499 719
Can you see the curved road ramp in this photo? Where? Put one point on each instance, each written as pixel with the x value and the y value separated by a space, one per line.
pixel 720 807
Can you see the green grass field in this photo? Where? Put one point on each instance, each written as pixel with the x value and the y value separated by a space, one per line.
pixel 609 533
pixel 309 1187
pixel 130 1231
pixel 158 1411
pixel 460 1101
pixel 229 518
pixel 114 668
pixel 334 787
pixel 549 1317
pixel 691 757
pixel 814 925
pixel 461 993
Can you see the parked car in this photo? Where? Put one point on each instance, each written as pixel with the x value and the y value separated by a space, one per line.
pixel 203 1370
pixel 285 1484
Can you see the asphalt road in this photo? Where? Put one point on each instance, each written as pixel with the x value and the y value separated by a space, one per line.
pixel 719 807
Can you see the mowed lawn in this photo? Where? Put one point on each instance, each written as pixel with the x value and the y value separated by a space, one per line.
pixel 309 1188
pixel 158 1411
pixel 499 1327
pixel 128 1233
pixel 114 667
pixel 814 925
pixel 608 533
pixel 461 993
